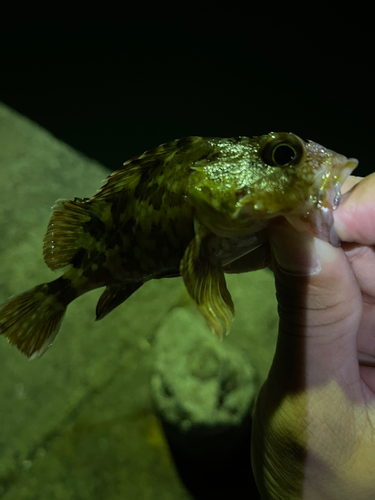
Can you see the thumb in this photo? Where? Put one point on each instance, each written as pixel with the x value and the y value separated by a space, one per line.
pixel 319 305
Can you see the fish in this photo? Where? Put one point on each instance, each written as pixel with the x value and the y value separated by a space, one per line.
pixel 190 207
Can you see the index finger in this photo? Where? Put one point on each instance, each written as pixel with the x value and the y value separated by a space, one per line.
pixel 355 216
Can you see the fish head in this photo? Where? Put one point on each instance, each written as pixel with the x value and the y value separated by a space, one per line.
pixel 275 175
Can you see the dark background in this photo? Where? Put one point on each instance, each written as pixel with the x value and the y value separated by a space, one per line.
pixel 115 81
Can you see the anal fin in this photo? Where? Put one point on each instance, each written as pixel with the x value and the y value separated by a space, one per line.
pixel 204 279
pixel 113 296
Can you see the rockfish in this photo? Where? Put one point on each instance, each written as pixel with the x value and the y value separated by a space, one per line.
pixel 189 207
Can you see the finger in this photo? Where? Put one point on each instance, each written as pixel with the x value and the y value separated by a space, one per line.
pixel 362 259
pixel 320 309
pixel 355 216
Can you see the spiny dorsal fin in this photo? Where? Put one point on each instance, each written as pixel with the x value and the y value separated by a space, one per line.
pixel 204 279
pixel 61 241
pixel 158 161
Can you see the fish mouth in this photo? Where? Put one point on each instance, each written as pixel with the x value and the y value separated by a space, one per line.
pixel 319 221
pixel 343 166
pixel 331 184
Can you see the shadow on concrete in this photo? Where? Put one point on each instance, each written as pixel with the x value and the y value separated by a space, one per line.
pixel 218 467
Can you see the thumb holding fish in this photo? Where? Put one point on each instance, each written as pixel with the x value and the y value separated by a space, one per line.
pixel 314 426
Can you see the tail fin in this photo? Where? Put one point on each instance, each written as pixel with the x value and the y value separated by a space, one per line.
pixel 31 320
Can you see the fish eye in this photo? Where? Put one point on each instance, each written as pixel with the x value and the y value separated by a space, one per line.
pixel 283 154
pixel 283 150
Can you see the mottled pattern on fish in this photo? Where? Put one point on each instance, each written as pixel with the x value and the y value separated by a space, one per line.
pixel 187 207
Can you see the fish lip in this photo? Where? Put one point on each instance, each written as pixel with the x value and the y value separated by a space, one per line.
pixel 343 166
pixel 330 197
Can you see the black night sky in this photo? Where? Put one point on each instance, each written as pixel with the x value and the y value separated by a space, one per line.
pixel 113 82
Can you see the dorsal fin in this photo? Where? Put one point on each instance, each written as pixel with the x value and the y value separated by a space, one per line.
pixel 61 241
pixel 155 162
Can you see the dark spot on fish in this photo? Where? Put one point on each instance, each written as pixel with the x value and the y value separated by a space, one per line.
pixel 156 199
pixel 175 239
pixel 165 252
pixel 98 258
pixel 115 240
pixel 156 234
pixel 78 257
pixel 55 287
pixel 150 190
pixel 100 273
pixel 147 177
pixel 117 209
pixel 157 237
pixel 128 226
pixel 63 290
pixel 173 199
pixel 95 227
pixel 140 188
pixel 157 163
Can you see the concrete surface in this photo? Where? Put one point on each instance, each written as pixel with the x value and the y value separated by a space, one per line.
pixel 79 423
pixel 199 385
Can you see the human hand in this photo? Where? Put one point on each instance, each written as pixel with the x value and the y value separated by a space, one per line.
pixel 314 425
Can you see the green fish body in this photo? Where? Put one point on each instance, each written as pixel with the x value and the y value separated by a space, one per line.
pixel 189 207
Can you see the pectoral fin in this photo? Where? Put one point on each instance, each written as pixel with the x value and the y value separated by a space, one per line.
pixel 204 279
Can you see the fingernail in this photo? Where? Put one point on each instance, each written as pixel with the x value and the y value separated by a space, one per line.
pixel 295 252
